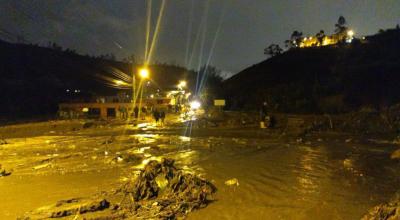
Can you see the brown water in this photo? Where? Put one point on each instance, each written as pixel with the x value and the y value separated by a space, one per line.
pixel 278 179
pixel 20 194
pixel 296 181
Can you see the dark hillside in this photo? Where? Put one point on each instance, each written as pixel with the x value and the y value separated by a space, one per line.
pixel 323 79
pixel 33 79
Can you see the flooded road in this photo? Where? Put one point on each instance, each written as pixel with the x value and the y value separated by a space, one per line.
pixel 330 178
pixel 324 181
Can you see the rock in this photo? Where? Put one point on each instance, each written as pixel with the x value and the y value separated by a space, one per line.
pixel 88 124
pixel 3 141
pixel 41 166
pixel 395 154
pixel 232 182
pixel 3 172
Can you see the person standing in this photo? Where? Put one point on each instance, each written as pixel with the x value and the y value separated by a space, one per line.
pixel 144 112
pixel 136 111
pixel 162 117
pixel 156 115
pixel 263 114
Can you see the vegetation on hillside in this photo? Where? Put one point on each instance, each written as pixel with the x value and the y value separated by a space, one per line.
pixel 330 79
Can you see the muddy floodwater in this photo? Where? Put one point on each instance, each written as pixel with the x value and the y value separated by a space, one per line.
pixel 321 177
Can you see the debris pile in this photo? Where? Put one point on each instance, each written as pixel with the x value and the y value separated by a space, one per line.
pixel 162 191
pixel 4 172
pixel 388 211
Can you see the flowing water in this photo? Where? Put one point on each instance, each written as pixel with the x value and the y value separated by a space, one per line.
pixel 277 179
pixel 297 181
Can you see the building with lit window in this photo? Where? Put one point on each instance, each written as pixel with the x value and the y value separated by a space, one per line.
pixel 333 39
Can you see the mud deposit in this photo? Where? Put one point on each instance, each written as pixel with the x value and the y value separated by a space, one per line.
pixel 257 178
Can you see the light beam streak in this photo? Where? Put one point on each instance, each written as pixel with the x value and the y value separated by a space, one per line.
pixel 221 18
pixel 156 32
pixel 148 23
pixel 205 17
pixel 188 34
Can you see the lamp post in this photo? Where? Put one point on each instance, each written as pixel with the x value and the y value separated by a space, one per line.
pixel 144 74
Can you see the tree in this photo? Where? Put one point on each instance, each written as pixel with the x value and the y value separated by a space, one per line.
pixel 273 50
pixel 210 84
pixel 295 40
pixel 340 26
pixel 320 36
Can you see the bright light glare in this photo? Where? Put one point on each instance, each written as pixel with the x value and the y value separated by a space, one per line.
pixel 119 82
pixel 144 73
pixel 350 33
pixel 195 105
pixel 182 84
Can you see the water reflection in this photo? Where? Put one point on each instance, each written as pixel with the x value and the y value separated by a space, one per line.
pixel 309 175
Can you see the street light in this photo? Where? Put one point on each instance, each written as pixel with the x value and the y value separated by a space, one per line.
pixel 144 73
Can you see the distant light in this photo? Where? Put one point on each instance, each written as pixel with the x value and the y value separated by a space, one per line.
pixel 67 90
pixel 195 105
pixel 305 38
pixel 310 38
pixel 85 110
pixel 182 84
pixel 118 82
pixel 350 33
pixel 144 73
pixel 76 91
pixel 152 96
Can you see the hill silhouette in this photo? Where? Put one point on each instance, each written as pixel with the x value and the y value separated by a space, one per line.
pixel 330 79
pixel 33 79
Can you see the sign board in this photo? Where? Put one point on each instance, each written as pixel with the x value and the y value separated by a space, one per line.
pixel 219 102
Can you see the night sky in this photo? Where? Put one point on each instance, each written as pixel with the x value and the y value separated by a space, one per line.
pixel 246 26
